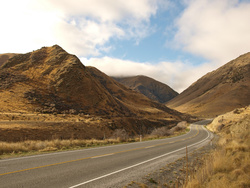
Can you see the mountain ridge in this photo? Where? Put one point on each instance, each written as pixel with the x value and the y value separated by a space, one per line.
pixel 50 80
pixel 149 87
pixel 217 92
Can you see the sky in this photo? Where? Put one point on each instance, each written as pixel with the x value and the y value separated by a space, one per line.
pixel 174 42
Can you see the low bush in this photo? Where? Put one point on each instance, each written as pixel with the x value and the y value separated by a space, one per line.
pixel 160 132
pixel 121 135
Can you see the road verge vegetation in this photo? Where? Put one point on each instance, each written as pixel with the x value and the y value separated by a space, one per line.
pixel 229 164
pixel 224 163
pixel 29 147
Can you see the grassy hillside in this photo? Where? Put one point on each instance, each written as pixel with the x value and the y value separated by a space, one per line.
pixel 229 164
pixel 217 92
pixel 49 94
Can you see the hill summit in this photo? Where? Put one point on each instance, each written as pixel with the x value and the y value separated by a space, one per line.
pixel 50 80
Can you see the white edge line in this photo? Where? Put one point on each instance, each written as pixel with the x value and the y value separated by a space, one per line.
pixel 81 150
pixel 139 163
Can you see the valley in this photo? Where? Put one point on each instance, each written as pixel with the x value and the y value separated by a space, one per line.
pixel 50 101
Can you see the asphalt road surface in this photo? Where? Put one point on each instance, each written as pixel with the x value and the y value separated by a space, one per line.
pixel 110 166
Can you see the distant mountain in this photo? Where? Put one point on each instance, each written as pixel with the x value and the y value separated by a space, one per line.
pixel 217 92
pixel 50 80
pixel 5 57
pixel 149 87
pixel 133 100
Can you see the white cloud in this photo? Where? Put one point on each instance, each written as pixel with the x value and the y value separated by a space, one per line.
pixel 177 75
pixel 24 27
pixel 215 29
pixel 108 10
pixel 82 27
pixel 87 38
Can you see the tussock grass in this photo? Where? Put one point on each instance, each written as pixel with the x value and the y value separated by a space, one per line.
pixel 226 166
pixel 223 168
pixel 229 164
pixel 119 136
pixel 52 145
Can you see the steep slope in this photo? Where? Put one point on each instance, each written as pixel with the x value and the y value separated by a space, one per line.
pixel 133 100
pixel 49 94
pixel 217 92
pixel 149 87
pixel 50 80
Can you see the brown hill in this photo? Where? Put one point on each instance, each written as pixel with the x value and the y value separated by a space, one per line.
pixel 50 80
pixel 132 100
pixel 50 77
pixel 5 57
pixel 217 92
pixel 149 87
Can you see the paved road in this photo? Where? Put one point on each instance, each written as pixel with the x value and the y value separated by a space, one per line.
pixel 111 166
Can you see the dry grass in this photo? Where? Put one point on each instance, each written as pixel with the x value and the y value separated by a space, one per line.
pixel 53 145
pixel 57 144
pixel 119 136
pixel 223 169
pixel 166 132
pixel 229 164
pixel 48 118
pixel 226 166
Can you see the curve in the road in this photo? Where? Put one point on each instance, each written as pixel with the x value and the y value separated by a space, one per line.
pixel 106 175
pixel 145 152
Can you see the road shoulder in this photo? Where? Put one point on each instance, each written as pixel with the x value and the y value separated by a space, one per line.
pixel 171 173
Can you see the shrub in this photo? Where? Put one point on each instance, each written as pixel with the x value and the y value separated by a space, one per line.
pixel 120 134
pixel 180 126
pixel 162 131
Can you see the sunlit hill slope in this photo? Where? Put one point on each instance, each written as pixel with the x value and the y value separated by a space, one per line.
pixel 217 92
pixel 52 81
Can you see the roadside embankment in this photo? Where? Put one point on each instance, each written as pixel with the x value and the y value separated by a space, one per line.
pixel 119 136
pixel 229 164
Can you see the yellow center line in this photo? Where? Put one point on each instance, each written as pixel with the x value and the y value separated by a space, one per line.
pixel 49 165
pixel 102 155
pixel 44 166
pixel 149 147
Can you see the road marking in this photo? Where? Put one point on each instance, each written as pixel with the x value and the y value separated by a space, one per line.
pixel 115 172
pixel 149 147
pixel 44 166
pixel 98 156
pixel 49 165
pixel 85 149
